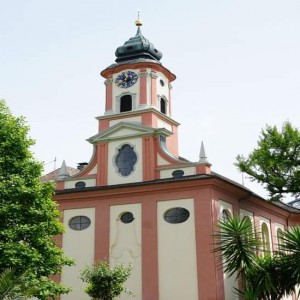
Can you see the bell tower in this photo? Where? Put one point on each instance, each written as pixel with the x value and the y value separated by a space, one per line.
pixel 137 137
pixel 139 85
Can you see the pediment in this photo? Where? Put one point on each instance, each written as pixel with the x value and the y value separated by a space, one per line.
pixel 124 130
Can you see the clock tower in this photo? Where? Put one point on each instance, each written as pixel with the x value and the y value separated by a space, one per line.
pixel 137 137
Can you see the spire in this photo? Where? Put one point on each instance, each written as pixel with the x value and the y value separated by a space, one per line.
pixel 63 173
pixel 138 22
pixel 202 156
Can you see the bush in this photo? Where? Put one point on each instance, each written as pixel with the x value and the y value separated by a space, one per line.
pixel 105 283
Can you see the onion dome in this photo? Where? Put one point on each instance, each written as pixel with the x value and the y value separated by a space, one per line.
pixel 137 47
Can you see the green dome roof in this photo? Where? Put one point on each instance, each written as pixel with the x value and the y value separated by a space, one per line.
pixel 137 47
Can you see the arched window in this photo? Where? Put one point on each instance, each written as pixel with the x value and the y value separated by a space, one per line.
pixel 163 105
pixel 279 239
pixel 266 246
pixel 247 218
pixel 126 103
pixel 225 215
pixel 250 234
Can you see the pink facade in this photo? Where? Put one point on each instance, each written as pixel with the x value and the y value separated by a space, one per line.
pixel 136 170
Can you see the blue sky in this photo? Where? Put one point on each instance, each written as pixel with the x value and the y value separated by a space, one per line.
pixel 237 65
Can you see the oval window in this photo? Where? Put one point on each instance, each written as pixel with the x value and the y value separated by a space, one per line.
pixel 79 223
pixel 126 217
pixel 178 174
pixel 80 185
pixel 176 215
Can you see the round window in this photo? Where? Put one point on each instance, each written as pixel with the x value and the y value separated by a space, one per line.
pixel 176 215
pixel 79 223
pixel 126 217
pixel 162 83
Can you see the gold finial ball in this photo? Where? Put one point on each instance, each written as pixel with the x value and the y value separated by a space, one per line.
pixel 138 23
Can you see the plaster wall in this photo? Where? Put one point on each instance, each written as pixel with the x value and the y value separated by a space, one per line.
pixel 71 184
pixel 123 132
pixel 168 173
pixel 246 213
pixel 161 161
pixel 78 245
pixel 277 226
pixel 137 119
pixel 137 174
pixel 162 124
pixel 148 88
pixel 93 171
pixel 163 90
pixel 177 271
pixel 125 246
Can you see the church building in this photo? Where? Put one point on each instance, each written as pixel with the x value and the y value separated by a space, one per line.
pixel 138 202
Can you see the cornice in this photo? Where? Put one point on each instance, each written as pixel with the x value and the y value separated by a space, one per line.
pixel 138 113
pixel 188 183
pixel 116 68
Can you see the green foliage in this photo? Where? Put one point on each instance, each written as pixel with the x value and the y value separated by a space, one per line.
pixel 236 240
pixel 105 283
pixel 270 278
pixel 13 285
pixel 29 216
pixel 260 275
pixel 275 163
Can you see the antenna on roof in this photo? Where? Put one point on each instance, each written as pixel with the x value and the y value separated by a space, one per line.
pixel 50 162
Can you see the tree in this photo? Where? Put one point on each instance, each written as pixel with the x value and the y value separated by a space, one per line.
pixel 105 283
pixel 29 216
pixel 275 163
pixel 259 275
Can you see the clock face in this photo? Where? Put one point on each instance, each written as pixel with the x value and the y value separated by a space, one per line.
pixel 126 79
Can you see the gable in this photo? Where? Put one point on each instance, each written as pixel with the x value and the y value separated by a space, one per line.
pixel 125 130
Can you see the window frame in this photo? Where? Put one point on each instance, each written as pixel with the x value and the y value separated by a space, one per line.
pixel 73 225
pixel 181 215
pixel 117 155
